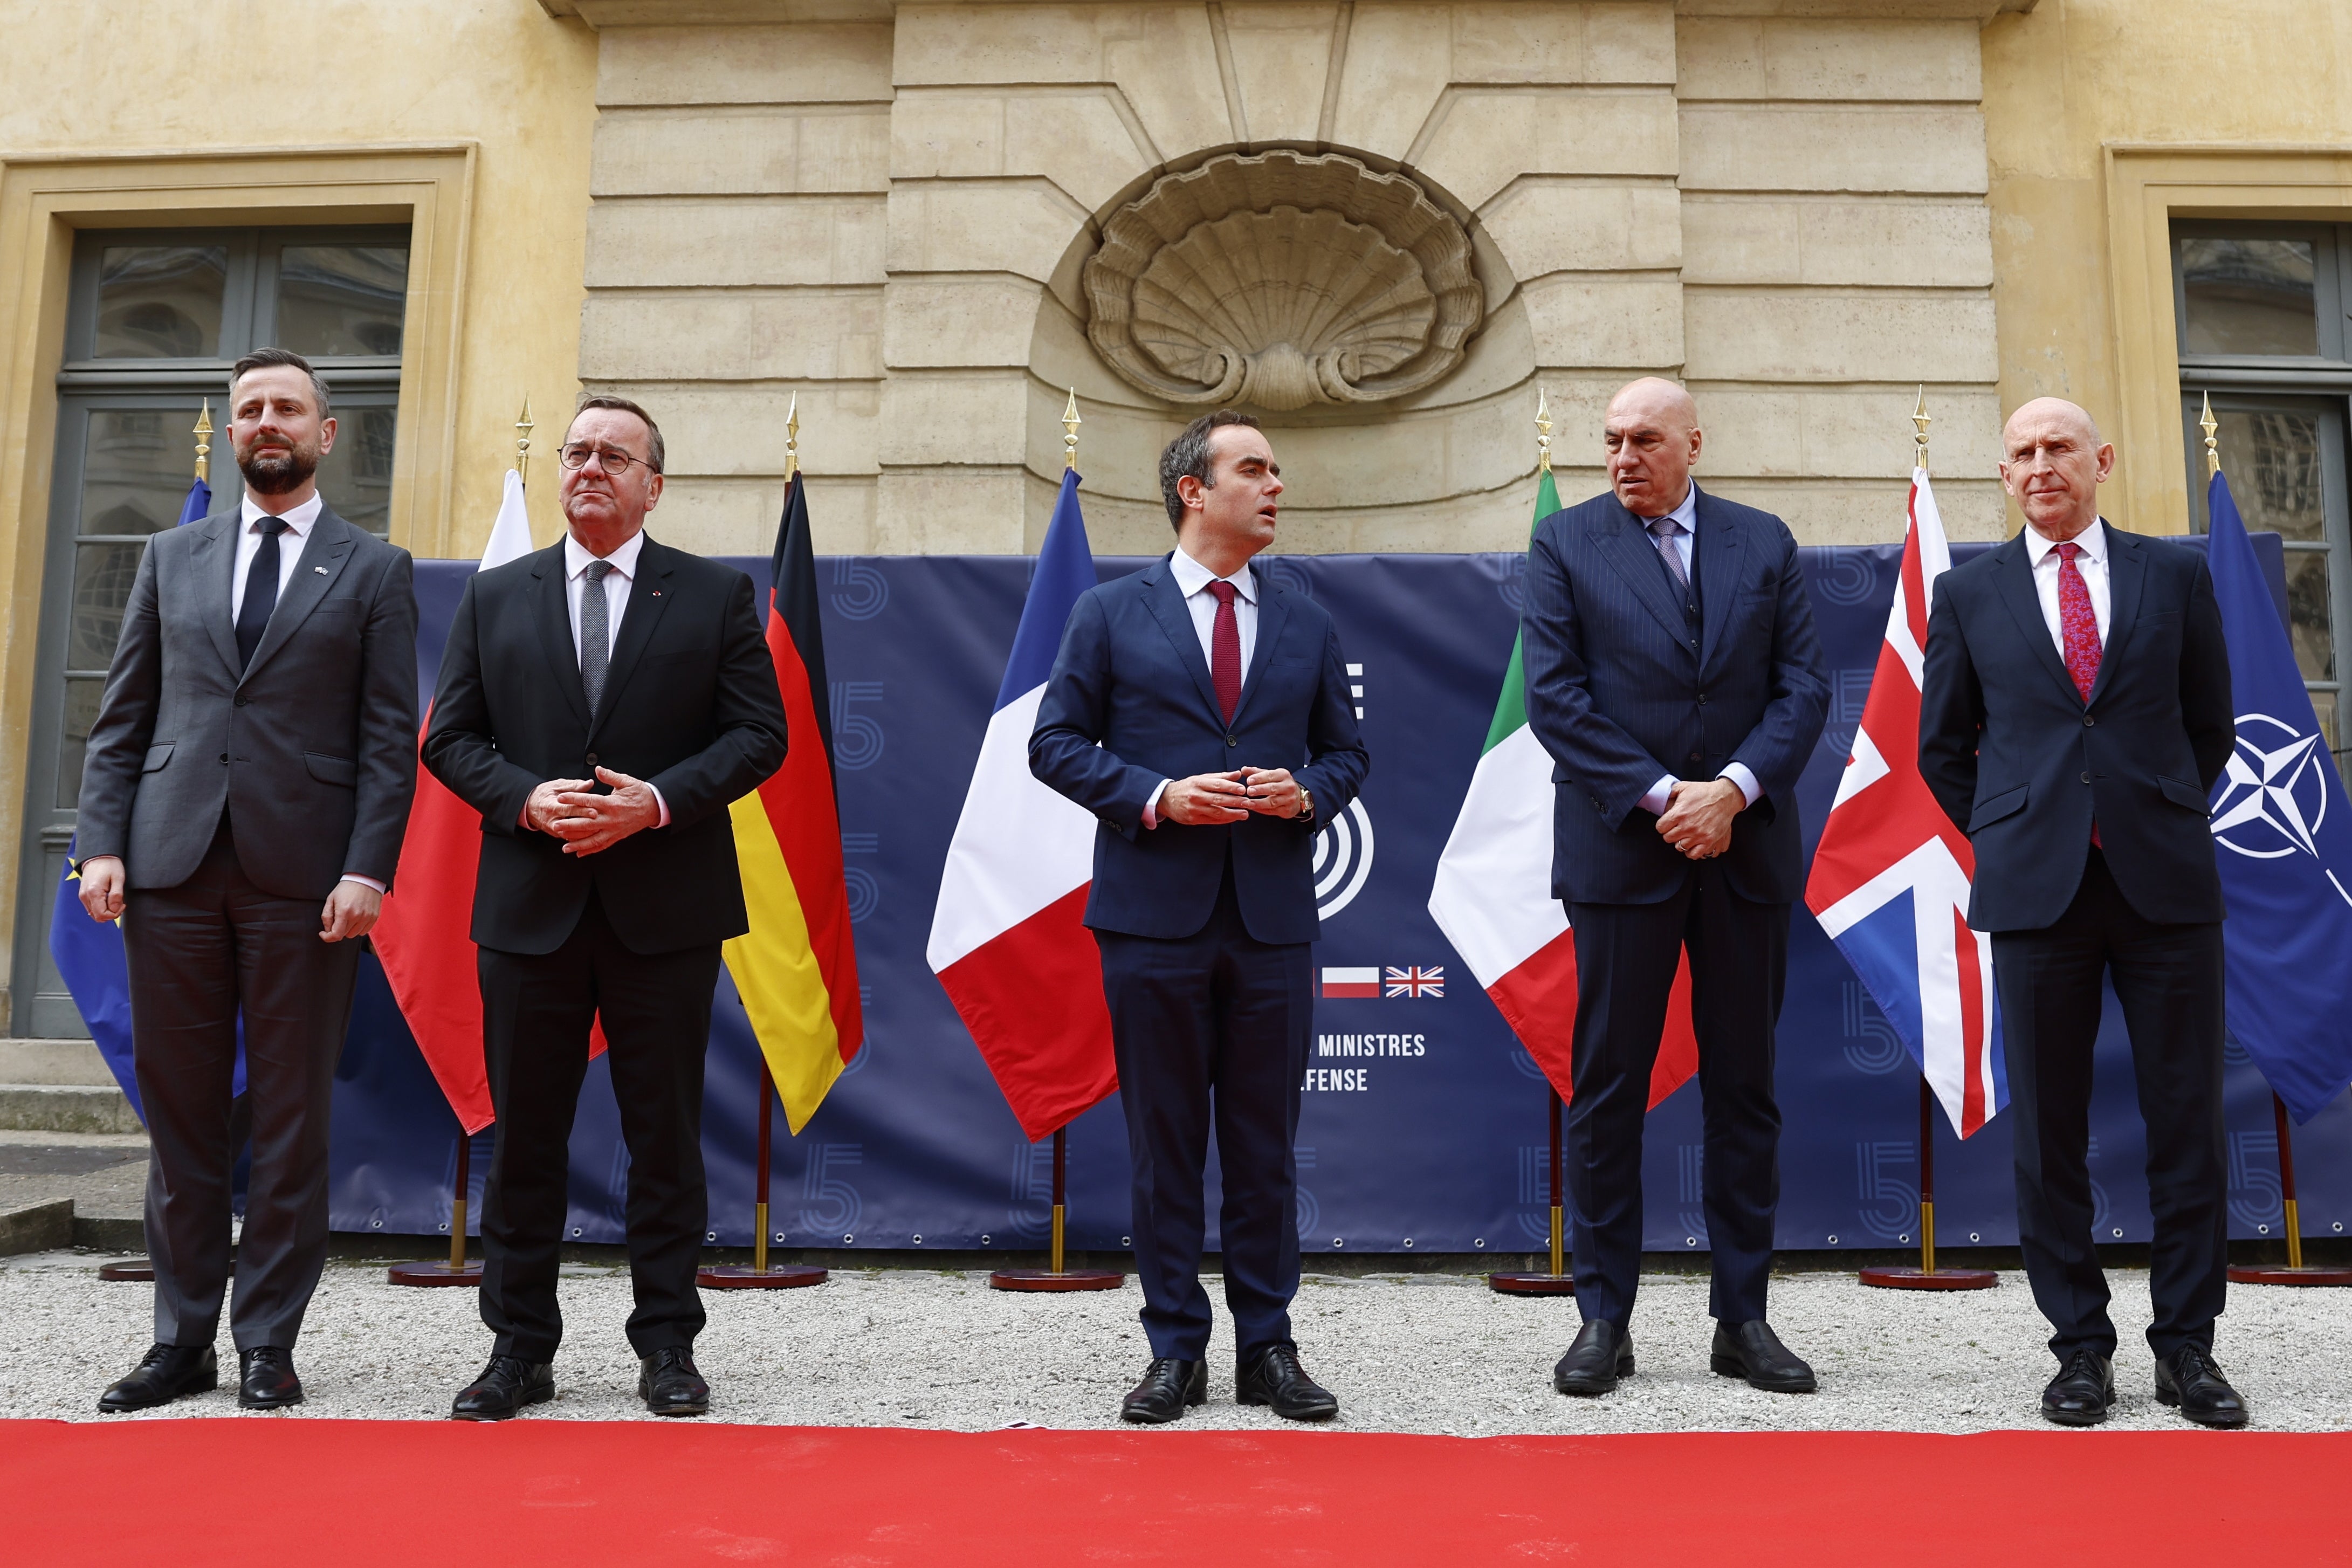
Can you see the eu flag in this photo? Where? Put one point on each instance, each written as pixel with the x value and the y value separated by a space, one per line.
pixel 2283 834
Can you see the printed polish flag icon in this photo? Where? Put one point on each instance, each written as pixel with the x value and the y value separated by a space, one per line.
pixel 1352 982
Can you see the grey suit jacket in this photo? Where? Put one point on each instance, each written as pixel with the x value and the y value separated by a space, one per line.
pixel 312 751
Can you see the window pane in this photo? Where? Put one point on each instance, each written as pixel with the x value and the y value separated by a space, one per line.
pixel 2324 704
pixel 2307 616
pixel 81 713
pixel 160 301
pixel 2250 296
pixel 103 577
pixel 342 298
pixel 2271 459
pixel 356 476
pixel 136 471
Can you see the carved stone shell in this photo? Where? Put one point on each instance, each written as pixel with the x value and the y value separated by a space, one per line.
pixel 1282 280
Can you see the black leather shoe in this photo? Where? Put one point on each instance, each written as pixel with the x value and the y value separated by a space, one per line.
pixel 1169 1385
pixel 506 1384
pixel 267 1380
pixel 669 1385
pixel 2189 1379
pixel 1601 1354
pixel 2083 1392
pixel 1276 1381
pixel 164 1372
pixel 1754 1351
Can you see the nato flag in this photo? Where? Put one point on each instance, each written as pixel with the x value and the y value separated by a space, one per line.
pixel 2282 835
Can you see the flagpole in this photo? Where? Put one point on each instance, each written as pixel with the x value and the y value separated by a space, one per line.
pixel 761 1275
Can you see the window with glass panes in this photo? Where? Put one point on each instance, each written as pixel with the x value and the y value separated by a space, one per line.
pixel 155 320
pixel 2262 331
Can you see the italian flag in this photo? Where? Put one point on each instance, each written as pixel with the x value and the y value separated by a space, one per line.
pixel 1492 894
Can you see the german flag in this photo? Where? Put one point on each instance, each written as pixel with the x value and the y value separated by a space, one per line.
pixel 796 969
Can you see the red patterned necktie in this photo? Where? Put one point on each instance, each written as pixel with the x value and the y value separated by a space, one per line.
pixel 1225 651
pixel 2078 626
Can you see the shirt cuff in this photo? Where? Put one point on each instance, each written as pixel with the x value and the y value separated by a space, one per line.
pixel 665 805
pixel 1660 797
pixel 364 882
pixel 1739 773
pixel 1151 806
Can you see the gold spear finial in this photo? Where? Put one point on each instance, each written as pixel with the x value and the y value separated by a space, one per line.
pixel 1920 420
pixel 523 442
pixel 792 437
pixel 203 435
pixel 1543 431
pixel 2213 445
pixel 1070 423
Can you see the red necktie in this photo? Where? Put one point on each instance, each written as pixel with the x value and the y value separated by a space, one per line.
pixel 2078 627
pixel 1225 651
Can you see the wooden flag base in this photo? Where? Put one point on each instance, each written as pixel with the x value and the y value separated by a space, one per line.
pixel 130 1271
pixel 743 1277
pixel 1909 1278
pixel 1052 1280
pixel 438 1271
pixel 1532 1284
pixel 2262 1274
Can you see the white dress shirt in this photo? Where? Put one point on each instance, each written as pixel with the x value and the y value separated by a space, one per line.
pixel 1685 543
pixel 2091 562
pixel 298 523
pixel 1193 581
pixel 616 586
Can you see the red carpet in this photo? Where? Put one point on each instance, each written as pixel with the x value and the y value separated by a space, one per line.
pixel 349 1494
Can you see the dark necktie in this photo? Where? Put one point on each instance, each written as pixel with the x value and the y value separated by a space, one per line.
pixel 2078 630
pixel 595 632
pixel 1225 651
pixel 260 592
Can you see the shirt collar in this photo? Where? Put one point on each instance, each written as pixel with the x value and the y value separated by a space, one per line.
pixel 298 522
pixel 1191 576
pixel 2094 541
pixel 1686 512
pixel 623 561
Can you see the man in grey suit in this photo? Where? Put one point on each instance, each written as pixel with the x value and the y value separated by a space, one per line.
pixel 246 786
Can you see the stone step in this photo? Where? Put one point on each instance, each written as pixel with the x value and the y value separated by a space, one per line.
pixel 66 1108
pixel 38 1227
pixel 53 1062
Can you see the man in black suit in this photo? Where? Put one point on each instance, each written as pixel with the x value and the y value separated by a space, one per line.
pixel 245 790
pixel 1201 711
pixel 2075 714
pixel 601 702
pixel 1673 676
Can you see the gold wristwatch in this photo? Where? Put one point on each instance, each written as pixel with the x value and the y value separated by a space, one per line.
pixel 1305 804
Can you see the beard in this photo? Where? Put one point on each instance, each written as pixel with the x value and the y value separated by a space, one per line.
pixel 275 473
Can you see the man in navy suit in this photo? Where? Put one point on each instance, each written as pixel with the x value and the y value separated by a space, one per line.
pixel 2073 716
pixel 1674 675
pixel 1201 710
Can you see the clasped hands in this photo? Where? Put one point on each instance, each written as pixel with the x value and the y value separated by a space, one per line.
pixel 569 809
pixel 1698 816
pixel 1206 798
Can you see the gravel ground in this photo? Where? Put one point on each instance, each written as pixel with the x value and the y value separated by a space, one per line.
pixel 1404 1354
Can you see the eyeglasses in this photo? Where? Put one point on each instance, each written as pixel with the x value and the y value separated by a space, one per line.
pixel 580 455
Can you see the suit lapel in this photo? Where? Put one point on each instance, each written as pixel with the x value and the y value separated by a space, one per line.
pixel 324 555
pixel 1627 546
pixel 215 576
pixel 1722 571
pixel 1273 610
pixel 552 611
pixel 2126 575
pixel 1166 602
pixel 648 596
pixel 2015 576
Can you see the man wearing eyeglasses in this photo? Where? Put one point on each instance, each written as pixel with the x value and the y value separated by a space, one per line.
pixel 601 702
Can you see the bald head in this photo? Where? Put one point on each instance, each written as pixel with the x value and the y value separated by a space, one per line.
pixel 1652 434
pixel 2053 461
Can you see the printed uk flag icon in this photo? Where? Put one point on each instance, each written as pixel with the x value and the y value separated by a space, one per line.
pixel 1351 983
pixel 1416 981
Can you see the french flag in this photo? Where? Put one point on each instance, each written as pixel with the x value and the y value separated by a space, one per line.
pixel 1007 940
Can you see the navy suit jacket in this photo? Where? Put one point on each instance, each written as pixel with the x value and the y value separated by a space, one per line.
pixel 1129 703
pixel 2024 764
pixel 1621 696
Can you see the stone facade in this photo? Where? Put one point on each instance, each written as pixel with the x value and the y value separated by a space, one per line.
pixel 892 218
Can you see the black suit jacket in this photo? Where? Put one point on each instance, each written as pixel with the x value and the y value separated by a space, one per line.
pixel 1621 696
pixel 2024 764
pixel 690 705
pixel 1129 703
pixel 310 748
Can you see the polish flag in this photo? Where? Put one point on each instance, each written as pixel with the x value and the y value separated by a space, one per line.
pixel 1007 938
pixel 1351 983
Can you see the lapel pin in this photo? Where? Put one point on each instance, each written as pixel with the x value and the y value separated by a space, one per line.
pixel 321 571
pixel 654 593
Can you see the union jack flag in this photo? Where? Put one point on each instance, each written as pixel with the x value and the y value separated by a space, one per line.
pixel 1890 881
pixel 1415 981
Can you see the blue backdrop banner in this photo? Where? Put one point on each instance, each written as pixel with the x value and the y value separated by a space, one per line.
pixel 1423 1123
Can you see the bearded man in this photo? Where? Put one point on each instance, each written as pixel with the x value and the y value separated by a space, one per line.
pixel 247 786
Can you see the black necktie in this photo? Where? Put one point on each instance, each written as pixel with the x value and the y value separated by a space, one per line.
pixel 260 592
